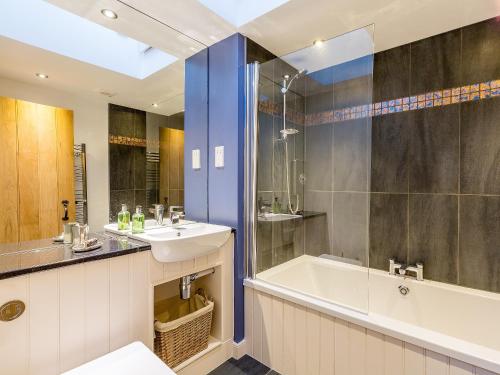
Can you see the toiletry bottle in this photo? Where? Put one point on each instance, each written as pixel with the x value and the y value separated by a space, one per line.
pixel 138 220
pixel 276 208
pixel 123 218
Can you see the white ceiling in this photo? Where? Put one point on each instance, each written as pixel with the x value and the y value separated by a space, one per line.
pixel 166 25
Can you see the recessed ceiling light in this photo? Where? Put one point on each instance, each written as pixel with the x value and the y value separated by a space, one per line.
pixel 109 14
pixel 155 105
pixel 318 43
pixel 193 49
pixel 42 76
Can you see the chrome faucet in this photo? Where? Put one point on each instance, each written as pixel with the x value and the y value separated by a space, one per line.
pixel 398 269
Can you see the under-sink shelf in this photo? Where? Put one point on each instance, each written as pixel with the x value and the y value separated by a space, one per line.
pixel 213 343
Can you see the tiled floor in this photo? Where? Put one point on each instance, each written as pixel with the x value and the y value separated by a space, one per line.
pixel 246 365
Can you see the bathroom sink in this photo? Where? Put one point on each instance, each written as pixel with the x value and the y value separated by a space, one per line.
pixel 184 241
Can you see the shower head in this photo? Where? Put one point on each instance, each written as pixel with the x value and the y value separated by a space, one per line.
pixel 286 77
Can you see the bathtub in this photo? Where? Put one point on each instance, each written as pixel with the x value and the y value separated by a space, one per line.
pixel 455 321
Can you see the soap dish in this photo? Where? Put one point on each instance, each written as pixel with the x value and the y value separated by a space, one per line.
pixel 83 248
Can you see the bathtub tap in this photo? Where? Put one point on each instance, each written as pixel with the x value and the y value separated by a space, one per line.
pixel 398 269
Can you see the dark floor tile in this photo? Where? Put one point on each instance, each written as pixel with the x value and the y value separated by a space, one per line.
pixel 350 226
pixel 319 157
pixel 481 51
pixel 391 73
pixel 246 365
pixel 480 147
pixel 272 372
pixel 351 147
pixel 121 167
pixel 388 229
pixel 479 238
pixel 435 63
pixel 434 150
pixel 389 163
pixel 116 199
pixel 434 235
pixel 139 168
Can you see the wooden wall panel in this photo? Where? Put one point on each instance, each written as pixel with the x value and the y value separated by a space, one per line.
pixel 316 343
pixel 29 178
pixel 9 228
pixel 47 161
pixel 65 174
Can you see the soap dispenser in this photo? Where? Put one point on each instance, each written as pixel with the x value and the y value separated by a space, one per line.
pixel 123 218
pixel 138 220
pixel 276 207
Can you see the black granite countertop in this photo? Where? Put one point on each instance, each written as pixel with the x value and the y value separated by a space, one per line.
pixel 34 256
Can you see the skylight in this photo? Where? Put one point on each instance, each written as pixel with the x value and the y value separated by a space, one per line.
pixel 48 27
pixel 240 12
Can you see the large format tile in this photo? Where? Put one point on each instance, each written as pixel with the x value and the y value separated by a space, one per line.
pixel 391 73
pixel 350 226
pixel 121 167
pixel 434 235
pixel 265 156
pixel 117 198
pixel 435 63
pixel 318 229
pixel 246 365
pixel 140 124
pixel 434 150
pixel 121 120
pixel 479 238
pixel 480 147
pixel 351 153
pixel 353 92
pixel 139 167
pixel 481 52
pixel 388 229
pixel 319 157
pixel 389 163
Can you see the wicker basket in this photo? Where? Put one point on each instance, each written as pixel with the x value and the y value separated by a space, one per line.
pixel 180 339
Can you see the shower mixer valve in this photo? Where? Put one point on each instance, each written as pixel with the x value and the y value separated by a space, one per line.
pixel 397 269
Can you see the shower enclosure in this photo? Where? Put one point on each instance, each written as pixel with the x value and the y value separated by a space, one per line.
pixel 309 159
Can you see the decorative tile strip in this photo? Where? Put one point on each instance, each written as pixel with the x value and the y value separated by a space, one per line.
pixel 128 141
pixel 473 92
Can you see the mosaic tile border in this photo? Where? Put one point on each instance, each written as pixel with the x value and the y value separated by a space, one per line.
pixel 473 92
pixel 127 141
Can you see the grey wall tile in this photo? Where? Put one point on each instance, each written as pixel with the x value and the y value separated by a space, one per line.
pixel 481 51
pixel 434 235
pixel 121 171
pixel 388 229
pixel 318 229
pixel 350 226
pixel 389 160
pixel 265 168
pixel 353 92
pixel 479 240
pixel 434 150
pixel 140 124
pixel 435 63
pixel 121 120
pixel 119 197
pixel 319 157
pixel 140 200
pixel 139 167
pixel 351 153
pixel 480 147
pixel 391 73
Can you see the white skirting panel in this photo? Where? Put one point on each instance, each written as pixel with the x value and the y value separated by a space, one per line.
pixel 295 340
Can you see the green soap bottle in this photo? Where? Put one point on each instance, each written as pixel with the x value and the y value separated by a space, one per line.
pixel 276 207
pixel 124 218
pixel 138 220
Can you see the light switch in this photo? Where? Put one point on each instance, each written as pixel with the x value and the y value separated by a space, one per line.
pixel 219 157
pixel 196 158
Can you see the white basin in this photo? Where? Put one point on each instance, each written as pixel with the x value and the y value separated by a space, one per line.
pixel 183 242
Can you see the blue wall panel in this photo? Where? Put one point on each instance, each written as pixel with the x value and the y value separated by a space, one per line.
pixel 226 123
pixel 196 136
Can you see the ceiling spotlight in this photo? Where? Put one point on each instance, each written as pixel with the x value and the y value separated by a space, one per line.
pixel 155 105
pixel 109 14
pixel 42 76
pixel 318 43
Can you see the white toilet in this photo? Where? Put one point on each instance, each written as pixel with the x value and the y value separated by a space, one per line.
pixel 132 359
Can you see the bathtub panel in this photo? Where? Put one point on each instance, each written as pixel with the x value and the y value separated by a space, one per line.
pixel 288 338
pixel 436 364
pixel 300 340
pixel 277 347
pixel 257 326
pixel 249 320
pixel 394 356
pixel 480 371
pixel 267 329
pixel 326 345
pixel 313 339
pixel 357 350
pixel 460 368
pixel 414 360
pixel 374 353
pixel 341 347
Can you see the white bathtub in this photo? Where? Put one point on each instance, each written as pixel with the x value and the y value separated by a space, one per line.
pixel 459 322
